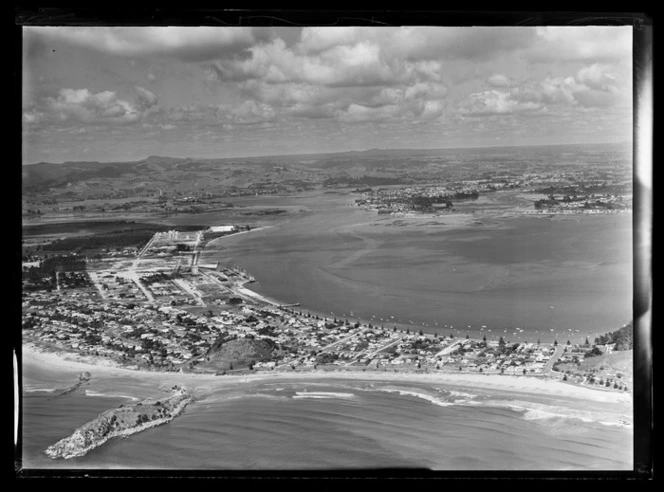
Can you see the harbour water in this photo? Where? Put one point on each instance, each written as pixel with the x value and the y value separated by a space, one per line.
pixel 526 278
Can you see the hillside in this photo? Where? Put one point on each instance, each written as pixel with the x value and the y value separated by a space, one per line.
pixel 236 353
pixel 623 338
pixel 616 367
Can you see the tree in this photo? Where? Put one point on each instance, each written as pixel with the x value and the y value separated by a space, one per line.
pixel 555 343
pixel 484 338
pixel 421 332
pixel 467 336
pixel 538 341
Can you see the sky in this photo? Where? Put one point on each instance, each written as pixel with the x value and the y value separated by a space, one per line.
pixel 125 93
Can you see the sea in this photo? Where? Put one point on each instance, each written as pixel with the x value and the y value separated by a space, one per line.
pixel 324 425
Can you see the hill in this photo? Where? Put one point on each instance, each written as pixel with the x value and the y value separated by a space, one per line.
pixel 237 353
pixel 623 338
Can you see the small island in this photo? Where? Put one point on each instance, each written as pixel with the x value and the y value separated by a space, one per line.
pixel 122 421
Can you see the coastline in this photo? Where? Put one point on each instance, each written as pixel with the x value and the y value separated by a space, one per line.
pixel 537 387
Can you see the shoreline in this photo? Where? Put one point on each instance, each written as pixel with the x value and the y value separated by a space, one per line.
pixel 426 324
pixel 537 387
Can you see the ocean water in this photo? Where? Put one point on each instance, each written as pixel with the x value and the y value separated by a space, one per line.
pixel 564 277
pixel 325 424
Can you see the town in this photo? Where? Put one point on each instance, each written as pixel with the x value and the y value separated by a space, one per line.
pixel 561 193
pixel 160 308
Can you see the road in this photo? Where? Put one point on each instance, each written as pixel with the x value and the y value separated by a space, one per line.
pixel 560 349
pixel 189 289
pixel 134 278
pixel 371 354
pixel 95 280
pixel 350 337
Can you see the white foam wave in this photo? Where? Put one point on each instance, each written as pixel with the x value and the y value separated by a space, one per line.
pixel 39 390
pixel 110 395
pixel 535 411
pixel 321 394
pixel 462 394
pixel 423 396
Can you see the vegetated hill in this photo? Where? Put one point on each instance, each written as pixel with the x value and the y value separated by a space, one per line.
pixel 616 367
pixel 623 338
pixel 44 175
pixel 616 361
pixel 239 352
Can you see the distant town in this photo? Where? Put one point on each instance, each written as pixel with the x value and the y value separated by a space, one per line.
pixel 158 307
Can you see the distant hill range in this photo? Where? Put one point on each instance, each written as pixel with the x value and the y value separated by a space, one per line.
pixel 394 166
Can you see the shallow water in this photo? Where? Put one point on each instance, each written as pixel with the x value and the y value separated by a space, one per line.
pixel 568 278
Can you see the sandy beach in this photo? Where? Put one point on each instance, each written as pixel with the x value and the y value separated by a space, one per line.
pixel 439 420
pixel 523 386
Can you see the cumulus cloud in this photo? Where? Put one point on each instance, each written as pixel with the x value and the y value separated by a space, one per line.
pixel 358 113
pixel 246 113
pixel 584 44
pixel 81 105
pixel 192 44
pixel 336 73
pixel 599 77
pixel 421 43
pixel 593 86
pixel 496 103
pixel 499 80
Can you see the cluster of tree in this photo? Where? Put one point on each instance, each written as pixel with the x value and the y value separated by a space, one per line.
pixel 422 203
pixel 52 264
pixel 117 239
pixel 464 195
pixel 155 277
pixel 267 331
pixel 327 357
pixel 623 338
pixel 540 204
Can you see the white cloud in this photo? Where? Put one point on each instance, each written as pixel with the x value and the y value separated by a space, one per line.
pixel 496 102
pixel 597 85
pixel 103 107
pixel 499 80
pixel 599 77
pixel 248 112
pixel 591 44
pixel 185 43
pixel 358 113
